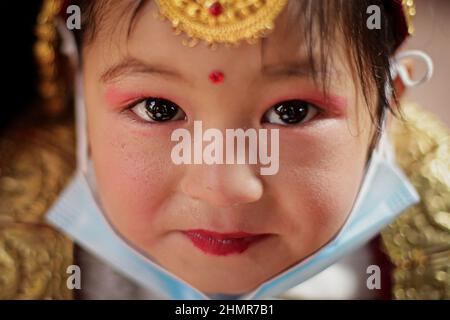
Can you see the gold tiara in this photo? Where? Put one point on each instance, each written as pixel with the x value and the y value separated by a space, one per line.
pixel 222 21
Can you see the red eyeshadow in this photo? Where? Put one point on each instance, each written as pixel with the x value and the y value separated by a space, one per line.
pixel 337 104
pixel 116 97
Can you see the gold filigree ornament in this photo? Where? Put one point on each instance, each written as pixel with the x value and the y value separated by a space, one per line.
pixel 409 10
pixel 221 21
pixel 52 86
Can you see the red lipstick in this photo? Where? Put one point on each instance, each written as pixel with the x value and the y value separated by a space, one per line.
pixel 222 244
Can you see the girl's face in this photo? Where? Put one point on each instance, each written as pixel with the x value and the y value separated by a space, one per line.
pixel 152 202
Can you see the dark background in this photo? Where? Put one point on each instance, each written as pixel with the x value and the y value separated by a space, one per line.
pixel 18 70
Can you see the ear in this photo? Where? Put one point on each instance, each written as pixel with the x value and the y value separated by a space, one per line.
pixel 399 87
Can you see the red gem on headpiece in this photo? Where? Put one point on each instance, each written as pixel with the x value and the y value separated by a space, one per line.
pixel 215 9
pixel 216 77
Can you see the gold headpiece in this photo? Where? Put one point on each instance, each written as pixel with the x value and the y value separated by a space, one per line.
pixel 222 21
pixel 409 10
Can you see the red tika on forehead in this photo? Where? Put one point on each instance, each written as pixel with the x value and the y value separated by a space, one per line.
pixel 216 77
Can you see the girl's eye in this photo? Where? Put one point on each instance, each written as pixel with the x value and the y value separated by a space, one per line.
pixel 158 110
pixel 291 112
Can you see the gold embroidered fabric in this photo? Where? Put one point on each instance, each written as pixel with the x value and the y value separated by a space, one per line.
pixel 36 160
pixel 51 64
pixel 418 242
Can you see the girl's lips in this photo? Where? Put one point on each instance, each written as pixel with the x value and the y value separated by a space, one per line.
pixel 222 244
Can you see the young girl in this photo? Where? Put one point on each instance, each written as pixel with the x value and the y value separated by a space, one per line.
pixel 160 78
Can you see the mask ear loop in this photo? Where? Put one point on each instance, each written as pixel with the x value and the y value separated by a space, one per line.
pixel 402 72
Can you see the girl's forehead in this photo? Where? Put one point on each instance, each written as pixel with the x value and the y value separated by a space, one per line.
pixel 285 49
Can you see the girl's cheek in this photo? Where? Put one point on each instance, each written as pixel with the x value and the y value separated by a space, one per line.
pixel 323 176
pixel 133 173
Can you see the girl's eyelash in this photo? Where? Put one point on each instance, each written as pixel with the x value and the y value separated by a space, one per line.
pixel 292 113
pixel 135 102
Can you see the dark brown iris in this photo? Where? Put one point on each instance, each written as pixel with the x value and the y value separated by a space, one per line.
pixel 160 109
pixel 292 112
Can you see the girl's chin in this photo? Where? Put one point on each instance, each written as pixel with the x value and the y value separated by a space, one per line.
pixel 240 279
pixel 228 288
pixel 220 267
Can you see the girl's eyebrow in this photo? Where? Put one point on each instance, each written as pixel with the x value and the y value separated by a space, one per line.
pixel 298 69
pixel 130 65
pixel 295 69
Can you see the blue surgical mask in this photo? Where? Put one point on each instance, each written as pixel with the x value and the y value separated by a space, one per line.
pixel 384 193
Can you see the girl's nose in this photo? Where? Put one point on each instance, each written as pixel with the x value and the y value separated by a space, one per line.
pixel 222 185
